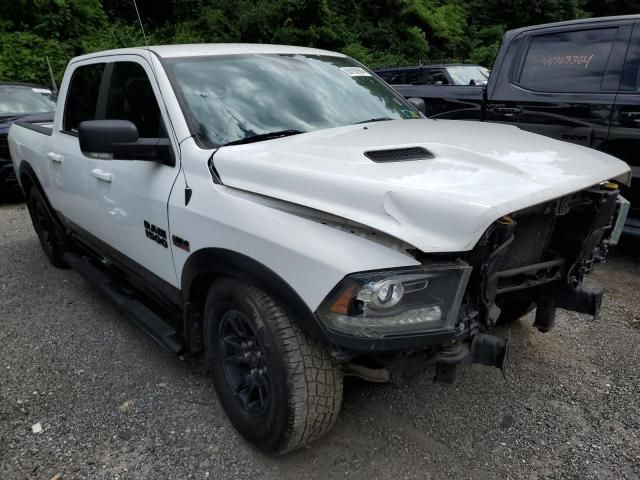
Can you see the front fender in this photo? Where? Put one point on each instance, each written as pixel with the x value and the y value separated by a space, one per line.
pixel 207 263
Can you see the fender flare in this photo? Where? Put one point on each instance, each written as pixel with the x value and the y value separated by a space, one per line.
pixel 207 262
pixel 25 170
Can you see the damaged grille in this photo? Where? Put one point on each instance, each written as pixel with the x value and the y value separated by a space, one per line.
pixel 531 240
pixel 399 154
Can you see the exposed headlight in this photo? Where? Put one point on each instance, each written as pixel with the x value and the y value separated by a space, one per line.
pixel 396 302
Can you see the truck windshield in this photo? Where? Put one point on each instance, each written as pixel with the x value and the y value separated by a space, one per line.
pixel 23 99
pixel 469 75
pixel 231 98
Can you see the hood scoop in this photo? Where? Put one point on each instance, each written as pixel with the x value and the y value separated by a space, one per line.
pixel 399 154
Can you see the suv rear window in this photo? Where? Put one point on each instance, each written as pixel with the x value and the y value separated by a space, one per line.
pixel 82 97
pixel 568 61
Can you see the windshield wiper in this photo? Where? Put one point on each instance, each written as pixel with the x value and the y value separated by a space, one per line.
pixel 265 136
pixel 379 119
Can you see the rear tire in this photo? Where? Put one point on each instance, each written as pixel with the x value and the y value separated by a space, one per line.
pixel 51 236
pixel 280 389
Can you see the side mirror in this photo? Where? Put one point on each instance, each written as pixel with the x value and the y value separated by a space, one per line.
pixel 119 140
pixel 418 104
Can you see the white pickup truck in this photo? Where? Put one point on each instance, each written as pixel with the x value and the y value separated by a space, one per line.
pixel 286 215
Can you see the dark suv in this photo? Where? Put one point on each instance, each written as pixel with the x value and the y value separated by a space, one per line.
pixel 442 74
pixel 577 81
pixel 18 100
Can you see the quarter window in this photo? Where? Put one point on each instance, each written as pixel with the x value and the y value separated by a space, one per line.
pixel 568 61
pixel 82 97
pixel 131 98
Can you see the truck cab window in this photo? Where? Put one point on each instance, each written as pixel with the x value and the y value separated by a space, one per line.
pixel 131 98
pixel 569 61
pixel 82 96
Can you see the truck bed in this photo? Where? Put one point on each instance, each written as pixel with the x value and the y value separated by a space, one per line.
pixel 29 141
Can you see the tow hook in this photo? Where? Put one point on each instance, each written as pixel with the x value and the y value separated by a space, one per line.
pixel 485 349
pixel 580 299
pixel 490 350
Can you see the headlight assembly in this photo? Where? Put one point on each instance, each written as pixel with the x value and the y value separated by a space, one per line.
pixel 396 302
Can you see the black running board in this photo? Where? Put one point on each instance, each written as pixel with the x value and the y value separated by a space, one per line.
pixel 133 309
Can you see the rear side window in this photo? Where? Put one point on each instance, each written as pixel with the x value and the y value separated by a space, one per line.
pixel 414 77
pixel 82 96
pixel 386 76
pixel 437 77
pixel 131 98
pixel 568 61
pixel 392 77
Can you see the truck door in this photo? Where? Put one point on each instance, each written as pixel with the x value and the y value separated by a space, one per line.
pixel 69 169
pixel 624 135
pixel 129 197
pixel 562 81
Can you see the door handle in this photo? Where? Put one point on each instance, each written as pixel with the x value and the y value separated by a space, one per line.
pixel 507 110
pixel 102 175
pixel 55 157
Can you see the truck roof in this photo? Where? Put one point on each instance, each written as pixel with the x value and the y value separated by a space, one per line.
pixel 206 49
pixel 585 21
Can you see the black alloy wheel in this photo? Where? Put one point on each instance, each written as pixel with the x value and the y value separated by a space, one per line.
pixel 244 362
pixel 51 236
pixel 280 389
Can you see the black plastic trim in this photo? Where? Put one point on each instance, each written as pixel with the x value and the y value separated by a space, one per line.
pixel 227 262
pixel 25 123
pixel 390 344
pixel 159 290
pixel 404 154
pixel 26 170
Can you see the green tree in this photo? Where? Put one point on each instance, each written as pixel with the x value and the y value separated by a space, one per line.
pixel 377 33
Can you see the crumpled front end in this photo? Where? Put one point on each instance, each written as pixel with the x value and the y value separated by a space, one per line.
pixel 442 201
pixel 535 257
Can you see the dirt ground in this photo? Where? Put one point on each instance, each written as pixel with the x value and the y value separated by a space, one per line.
pixel 113 405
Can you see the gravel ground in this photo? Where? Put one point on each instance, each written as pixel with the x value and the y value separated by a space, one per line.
pixel 113 405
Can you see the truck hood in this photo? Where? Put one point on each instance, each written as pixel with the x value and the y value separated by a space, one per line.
pixel 479 172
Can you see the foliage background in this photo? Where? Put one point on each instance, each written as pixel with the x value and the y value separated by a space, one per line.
pixel 376 32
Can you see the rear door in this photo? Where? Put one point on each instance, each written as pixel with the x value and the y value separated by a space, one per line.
pixel 562 81
pixel 70 170
pixel 624 135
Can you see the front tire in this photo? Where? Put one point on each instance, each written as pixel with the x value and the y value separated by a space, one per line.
pixel 52 237
pixel 280 389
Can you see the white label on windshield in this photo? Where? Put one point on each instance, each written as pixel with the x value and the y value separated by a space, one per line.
pixel 355 71
pixel 42 90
